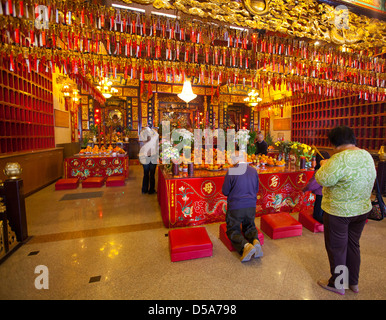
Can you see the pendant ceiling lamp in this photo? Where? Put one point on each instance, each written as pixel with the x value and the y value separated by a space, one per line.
pixel 253 98
pixel 105 87
pixel 187 93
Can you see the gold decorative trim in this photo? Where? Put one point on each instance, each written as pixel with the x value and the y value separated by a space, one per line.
pixel 304 19
pixel 257 7
pixel 164 88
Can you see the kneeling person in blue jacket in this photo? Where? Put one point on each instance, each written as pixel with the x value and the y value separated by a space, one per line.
pixel 241 190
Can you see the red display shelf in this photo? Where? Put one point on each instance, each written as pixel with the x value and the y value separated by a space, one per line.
pixel 26 110
pixel 312 120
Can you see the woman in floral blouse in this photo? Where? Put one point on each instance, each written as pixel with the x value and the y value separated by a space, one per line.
pixel 347 179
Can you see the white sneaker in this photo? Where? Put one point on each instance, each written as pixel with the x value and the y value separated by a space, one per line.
pixel 259 251
pixel 248 252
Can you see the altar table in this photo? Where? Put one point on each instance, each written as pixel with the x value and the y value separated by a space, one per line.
pixel 196 200
pixel 85 166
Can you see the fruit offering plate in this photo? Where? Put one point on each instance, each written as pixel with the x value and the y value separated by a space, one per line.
pixel 219 169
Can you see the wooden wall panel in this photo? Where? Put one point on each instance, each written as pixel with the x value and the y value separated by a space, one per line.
pixel 282 124
pixel 61 119
pixel 40 168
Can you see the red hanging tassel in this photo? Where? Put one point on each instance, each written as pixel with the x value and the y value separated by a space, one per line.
pixel 21 9
pixel 149 90
pixel 11 62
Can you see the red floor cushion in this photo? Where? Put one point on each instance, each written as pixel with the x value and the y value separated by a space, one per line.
pixel 280 225
pixel 307 220
pixel 189 243
pixel 93 182
pixel 65 184
pixel 115 181
pixel 224 238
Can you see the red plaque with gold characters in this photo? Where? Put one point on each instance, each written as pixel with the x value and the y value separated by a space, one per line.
pixel 194 200
pixel 83 167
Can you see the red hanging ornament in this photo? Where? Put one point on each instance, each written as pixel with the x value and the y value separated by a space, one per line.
pixel 21 9
pixel 149 90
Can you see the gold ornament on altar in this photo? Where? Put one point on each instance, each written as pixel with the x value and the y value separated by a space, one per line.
pixel 382 154
pixel 12 170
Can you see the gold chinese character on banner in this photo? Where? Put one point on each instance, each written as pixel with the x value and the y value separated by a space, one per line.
pixel 274 182
pixel 300 179
pixel 208 187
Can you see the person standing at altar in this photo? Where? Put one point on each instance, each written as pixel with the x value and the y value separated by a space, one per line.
pixel 348 180
pixel 261 144
pixel 148 156
pixel 317 189
pixel 241 191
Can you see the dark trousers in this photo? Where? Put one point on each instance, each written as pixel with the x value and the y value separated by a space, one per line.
pixel 341 237
pixel 318 212
pixel 148 181
pixel 246 218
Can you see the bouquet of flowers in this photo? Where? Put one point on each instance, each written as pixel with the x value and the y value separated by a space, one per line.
pixel 302 150
pixel 242 137
pixel 284 146
pixel 185 135
pixel 168 152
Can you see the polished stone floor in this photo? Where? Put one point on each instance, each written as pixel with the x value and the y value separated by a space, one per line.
pixel 110 243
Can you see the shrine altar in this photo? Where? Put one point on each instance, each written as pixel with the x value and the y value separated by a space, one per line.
pixel 195 200
pixel 84 166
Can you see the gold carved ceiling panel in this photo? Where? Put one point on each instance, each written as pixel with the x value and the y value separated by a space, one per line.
pixel 303 19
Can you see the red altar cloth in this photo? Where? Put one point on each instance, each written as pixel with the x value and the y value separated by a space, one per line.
pixel 83 167
pixel 196 200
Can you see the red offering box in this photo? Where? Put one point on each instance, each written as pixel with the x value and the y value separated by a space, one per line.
pixel 93 182
pixel 189 243
pixel 280 225
pixel 65 184
pixel 224 238
pixel 116 181
pixel 306 219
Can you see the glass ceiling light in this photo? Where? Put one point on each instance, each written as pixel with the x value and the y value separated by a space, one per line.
pixel 253 98
pixel 66 90
pixel 187 93
pixel 106 89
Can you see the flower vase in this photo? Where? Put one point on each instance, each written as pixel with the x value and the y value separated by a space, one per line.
pixel 190 169
pixel 313 162
pixel 175 169
pixel 297 161
pixel 302 163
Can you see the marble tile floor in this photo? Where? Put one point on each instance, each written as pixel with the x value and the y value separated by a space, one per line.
pixel 116 247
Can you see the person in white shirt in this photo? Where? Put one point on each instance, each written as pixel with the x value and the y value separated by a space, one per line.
pixel 148 156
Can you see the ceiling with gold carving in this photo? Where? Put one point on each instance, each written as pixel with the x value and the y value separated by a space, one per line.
pixel 303 19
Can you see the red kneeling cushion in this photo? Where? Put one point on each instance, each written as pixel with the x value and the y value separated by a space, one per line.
pixel 65 184
pixel 115 181
pixel 224 237
pixel 93 182
pixel 280 225
pixel 189 243
pixel 307 220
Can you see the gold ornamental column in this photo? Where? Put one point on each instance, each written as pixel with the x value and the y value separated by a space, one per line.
pixel 205 110
pixel 156 105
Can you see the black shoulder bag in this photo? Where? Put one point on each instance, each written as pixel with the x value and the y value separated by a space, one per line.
pixel 379 209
